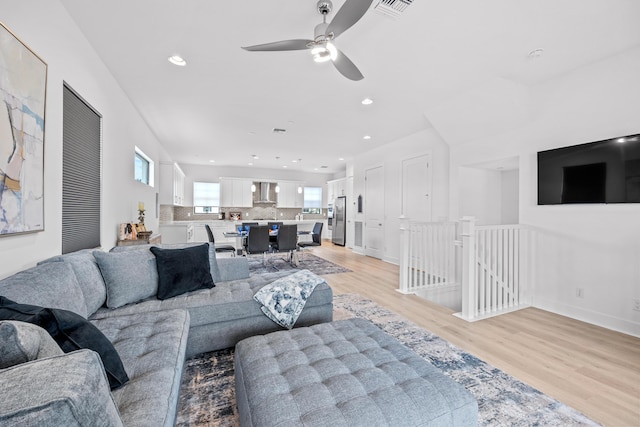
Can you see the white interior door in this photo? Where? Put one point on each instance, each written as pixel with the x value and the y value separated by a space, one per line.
pixel 374 212
pixel 416 188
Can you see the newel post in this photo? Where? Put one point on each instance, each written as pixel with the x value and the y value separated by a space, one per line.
pixel 404 255
pixel 469 303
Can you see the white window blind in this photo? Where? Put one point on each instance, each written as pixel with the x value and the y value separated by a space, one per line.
pixel 312 200
pixel 206 197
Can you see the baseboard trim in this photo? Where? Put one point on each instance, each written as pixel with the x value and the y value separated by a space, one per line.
pixel 589 316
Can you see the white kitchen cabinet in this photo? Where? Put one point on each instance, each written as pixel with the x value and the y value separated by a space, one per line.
pixel 336 188
pixel 288 196
pixel 236 192
pixel 177 233
pixel 171 184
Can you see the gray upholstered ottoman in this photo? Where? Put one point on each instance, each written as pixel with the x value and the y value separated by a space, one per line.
pixel 343 373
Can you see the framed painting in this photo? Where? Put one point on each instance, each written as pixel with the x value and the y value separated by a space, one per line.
pixel 23 87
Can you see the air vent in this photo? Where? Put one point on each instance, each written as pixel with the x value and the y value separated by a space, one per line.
pixel 393 8
pixel 324 167
pixel 279 130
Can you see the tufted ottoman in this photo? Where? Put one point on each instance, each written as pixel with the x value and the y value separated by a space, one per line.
pixel 343 373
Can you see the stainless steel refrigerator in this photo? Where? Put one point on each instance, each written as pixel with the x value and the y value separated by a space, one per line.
pixel 338 235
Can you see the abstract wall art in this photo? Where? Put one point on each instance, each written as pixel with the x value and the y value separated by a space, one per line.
pixel 23 84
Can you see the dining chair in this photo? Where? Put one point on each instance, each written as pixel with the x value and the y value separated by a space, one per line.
pixel 316 236
pixel 258 241
pixel 274 225
pixel 219 248
pixel 286 241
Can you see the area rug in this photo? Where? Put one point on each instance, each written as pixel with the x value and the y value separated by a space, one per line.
pixel 207 396
pixel 315 264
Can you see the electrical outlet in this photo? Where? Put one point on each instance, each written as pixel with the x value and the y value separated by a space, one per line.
pixel 636 304
pixel 579 292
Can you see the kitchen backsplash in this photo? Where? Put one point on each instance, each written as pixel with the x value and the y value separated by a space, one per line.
pixel 185 213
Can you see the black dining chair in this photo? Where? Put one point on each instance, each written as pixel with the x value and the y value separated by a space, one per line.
pixel 316 238
pixel 258 241
pixel 286 241
pixel 274 225
pixel 219 248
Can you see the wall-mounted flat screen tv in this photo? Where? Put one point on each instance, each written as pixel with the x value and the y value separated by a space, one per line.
pixel 598 172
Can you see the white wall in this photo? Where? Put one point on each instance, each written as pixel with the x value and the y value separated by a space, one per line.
pixel 391 156
pixel 510 183
pixel 479 195
pixel 592 247
pixel 47 29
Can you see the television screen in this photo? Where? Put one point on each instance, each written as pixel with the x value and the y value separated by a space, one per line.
pixel 598 172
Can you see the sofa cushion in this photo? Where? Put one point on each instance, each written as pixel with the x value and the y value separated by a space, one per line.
pixel 52 284
pixel 129 276
pixel 71 332
pixel 152 346
pixel 38 397
pixel 22 342
pixel 217 274
pixel 182 270
pixel 88 275
pixel 283 299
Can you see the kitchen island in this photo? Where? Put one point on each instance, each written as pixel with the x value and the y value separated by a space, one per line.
pixel 194 231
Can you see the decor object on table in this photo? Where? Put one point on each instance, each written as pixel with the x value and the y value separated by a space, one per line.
pixel 22 117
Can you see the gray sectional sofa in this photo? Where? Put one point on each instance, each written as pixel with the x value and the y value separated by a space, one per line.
pixel 152 337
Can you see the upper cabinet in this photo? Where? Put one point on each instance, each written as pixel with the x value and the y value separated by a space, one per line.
pixel 336 188
pixel 236 193
pixel 171 184
pixel 288 195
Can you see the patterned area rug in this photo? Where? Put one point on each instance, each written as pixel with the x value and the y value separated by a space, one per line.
pixel 207 396
pixel 310 262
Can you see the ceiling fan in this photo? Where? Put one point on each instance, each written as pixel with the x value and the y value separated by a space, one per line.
pixel 322 47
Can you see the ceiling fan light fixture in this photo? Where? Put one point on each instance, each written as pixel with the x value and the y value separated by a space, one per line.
pixel 321 54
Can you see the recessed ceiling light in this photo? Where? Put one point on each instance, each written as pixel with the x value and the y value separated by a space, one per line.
pixel 284 166
pixel 294 161
pixel 255 157
pixel 621 140
pixel 366 137
pixel 250 164
pixel 341 159
pixel 177 60
pixel 212 161
pixel 535 53
pixel 367 101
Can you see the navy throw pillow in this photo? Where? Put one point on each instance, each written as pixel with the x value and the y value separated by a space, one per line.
pixel 182 270
pixel 72 332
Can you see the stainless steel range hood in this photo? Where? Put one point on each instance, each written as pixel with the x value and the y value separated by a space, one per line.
pixel 265 192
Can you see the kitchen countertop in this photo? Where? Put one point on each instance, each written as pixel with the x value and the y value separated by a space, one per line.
pixel 230 222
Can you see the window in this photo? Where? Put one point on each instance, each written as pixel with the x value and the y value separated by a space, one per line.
pixel 143 168
pixel 206 197
pixel 81 173
pixel 312 200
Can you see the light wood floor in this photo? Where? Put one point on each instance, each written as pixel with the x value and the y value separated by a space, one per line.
pixel 592 369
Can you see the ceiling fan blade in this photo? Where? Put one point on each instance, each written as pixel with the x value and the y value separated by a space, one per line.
pixel 296 44
pixel 350 13
pixel 346 67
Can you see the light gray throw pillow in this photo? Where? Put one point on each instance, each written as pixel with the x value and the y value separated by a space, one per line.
pixel 22 342
pixel 129 276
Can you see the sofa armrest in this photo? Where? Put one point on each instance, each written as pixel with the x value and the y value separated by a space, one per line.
pixel 233 268
pixel 66 390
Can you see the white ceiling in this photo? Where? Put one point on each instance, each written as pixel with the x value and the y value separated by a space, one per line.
pixel 225 103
